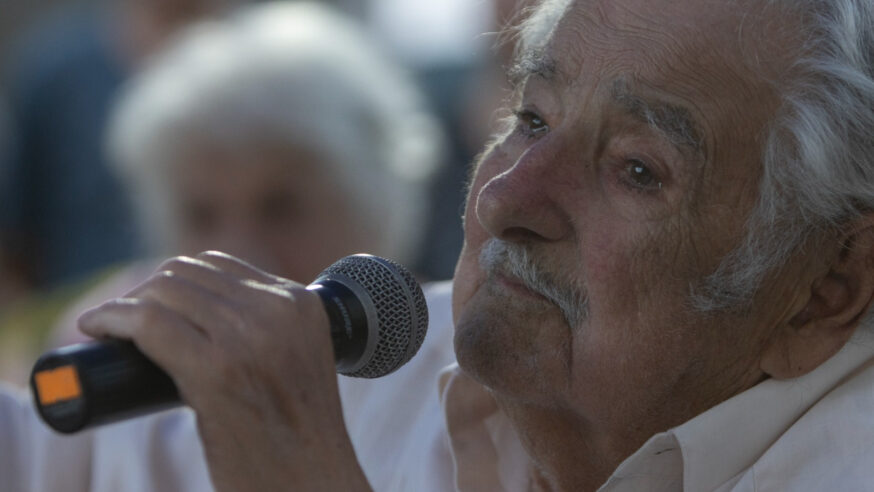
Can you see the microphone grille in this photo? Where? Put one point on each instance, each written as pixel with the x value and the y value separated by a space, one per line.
pixel 399 307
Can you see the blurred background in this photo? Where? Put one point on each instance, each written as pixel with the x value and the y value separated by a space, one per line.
pixel 287 133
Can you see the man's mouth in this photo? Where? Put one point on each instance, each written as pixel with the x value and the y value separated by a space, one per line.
pixel 517 286
pixel 515 269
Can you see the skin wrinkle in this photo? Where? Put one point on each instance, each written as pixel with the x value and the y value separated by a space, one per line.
pixel 726 74
pixel 672 120
pixel 532 63
pixel 656 63
pixel 705 178
pixel 675 122
pixel 665 42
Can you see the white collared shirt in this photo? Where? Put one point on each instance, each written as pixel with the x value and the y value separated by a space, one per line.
pixel 811 433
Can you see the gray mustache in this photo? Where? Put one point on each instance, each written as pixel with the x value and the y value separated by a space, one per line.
pixel 515 260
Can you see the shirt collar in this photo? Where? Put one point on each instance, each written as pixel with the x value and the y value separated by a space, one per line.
pixel 486 451
pixel 714 450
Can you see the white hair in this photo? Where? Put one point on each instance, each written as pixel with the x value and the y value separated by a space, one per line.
pixel 293 72
pixel 818 158
pixel 538 26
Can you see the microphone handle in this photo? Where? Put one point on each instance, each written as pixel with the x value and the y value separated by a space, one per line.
pixel 99 382
pixel 104 381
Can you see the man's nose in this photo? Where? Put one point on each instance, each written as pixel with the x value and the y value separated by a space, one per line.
pixel 520 204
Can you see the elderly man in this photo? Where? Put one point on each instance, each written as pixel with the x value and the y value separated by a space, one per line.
pixel 664 285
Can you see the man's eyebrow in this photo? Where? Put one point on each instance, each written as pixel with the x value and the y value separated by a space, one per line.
pixel 532 62
pixel 675 122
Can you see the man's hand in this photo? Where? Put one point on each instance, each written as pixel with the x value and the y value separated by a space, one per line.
pixel 251 353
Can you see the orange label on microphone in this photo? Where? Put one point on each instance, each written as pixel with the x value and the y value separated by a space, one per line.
pixel 57 385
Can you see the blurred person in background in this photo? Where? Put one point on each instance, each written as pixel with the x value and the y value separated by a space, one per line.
pixel 64 214
pixel 280 135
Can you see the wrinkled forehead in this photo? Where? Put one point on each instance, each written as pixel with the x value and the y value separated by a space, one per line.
pixel 664 39
pixel 715 61
pixel 667 37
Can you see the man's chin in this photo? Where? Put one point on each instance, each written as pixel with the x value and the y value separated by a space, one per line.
pixel 499 340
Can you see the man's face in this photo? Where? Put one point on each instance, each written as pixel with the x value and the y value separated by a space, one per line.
pixel 629 173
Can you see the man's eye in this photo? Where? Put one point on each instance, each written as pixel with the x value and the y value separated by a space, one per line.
pixel 641 176
pixel 531 124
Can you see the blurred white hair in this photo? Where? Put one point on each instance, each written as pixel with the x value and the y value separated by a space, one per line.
pixel 293 72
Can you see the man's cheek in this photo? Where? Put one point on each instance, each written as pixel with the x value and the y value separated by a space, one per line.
pixel 624 272
pixel 605 254
pixel 468 274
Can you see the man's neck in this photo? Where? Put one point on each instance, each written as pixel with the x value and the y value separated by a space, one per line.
pixel 567 454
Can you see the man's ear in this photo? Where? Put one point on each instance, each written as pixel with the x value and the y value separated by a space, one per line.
pixel 838 301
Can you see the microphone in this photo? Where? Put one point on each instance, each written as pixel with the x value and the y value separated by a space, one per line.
pixel 378 321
